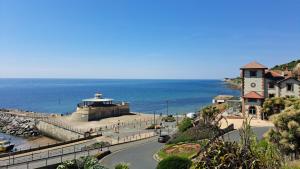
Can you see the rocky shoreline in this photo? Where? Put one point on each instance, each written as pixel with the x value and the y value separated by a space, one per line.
pixel 17 126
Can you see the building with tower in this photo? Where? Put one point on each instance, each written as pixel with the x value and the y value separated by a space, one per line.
pixel 259 83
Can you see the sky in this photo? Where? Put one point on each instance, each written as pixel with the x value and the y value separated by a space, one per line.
pixel 145 39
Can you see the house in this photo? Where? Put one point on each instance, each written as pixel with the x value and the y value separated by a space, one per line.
pixel 259 83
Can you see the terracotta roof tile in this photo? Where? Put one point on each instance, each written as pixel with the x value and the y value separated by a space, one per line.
pixel 273 73
pixel 254 65
pixel 253 95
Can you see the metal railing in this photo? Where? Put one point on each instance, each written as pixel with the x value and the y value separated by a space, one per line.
pixel 51 156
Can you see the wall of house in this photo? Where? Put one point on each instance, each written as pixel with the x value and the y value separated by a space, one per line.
pixel 259 81
pixel 283 88
pixel 275 90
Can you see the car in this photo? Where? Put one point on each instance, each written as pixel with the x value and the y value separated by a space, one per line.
pixel 191 115
pixel 163 138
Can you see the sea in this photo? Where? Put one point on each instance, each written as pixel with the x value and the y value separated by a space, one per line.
pixel 147 96
pixel 61 96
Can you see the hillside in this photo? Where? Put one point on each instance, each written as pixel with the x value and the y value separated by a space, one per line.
pixel 289 65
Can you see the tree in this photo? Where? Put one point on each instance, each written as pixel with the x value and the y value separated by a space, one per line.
pixel 212 114
pixel 273 106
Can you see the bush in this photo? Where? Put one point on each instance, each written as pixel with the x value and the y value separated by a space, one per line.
pixel 169 118
pixel 185 124
pixel 102 154
pixel 173 162
pixel 152 126
pixel 81 163
pixel 122 166
pixel 193 134
pixel 100 144
pixel 286 132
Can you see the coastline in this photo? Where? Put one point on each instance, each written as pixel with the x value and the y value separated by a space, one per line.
pixel 232 84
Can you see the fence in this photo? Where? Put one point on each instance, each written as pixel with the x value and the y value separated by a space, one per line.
pixel 60 123
pixel 52 156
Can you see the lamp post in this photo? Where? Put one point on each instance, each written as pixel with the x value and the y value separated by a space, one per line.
pixel 154 118
pixel 118 126
pixel 176 119
pixel 167 107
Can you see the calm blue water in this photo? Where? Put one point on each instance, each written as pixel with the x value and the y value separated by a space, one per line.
pixel 62 95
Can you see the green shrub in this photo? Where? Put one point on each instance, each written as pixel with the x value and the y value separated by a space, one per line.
pixel 152 126
pixel 122 166
pixel 169 118
pixel 185 124
pixel 100 144
pixel 81 163
pixel 174 162
pixel 194 134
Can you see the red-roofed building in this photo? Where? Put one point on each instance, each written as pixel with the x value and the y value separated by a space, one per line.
pixel 259 83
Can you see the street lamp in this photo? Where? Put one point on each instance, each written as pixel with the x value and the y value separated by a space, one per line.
pixel 118 126
pixel 167 107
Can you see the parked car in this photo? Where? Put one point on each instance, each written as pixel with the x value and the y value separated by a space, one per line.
pixel 163 138
pixel 191 115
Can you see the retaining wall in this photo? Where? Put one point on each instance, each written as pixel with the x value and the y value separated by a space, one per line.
pixel 57 132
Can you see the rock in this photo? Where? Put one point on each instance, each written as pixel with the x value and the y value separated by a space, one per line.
pixel 15 125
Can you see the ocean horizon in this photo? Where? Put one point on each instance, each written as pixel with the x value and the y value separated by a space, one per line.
pixel 61 95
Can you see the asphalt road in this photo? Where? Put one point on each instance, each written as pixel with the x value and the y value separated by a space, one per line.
pixel 234 135
pixel 139 156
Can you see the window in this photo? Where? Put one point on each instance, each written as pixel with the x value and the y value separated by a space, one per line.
pixel 252 100
pixel 253 73
pixel 289 87
pixel 271 95
pixel 252 110
pixel 271 85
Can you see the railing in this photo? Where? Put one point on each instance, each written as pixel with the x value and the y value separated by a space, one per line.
pixel 52 156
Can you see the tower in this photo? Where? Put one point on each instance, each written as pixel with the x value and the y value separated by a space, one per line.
pixel 253 88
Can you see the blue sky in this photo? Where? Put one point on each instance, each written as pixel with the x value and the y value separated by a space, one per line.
pixel 185 39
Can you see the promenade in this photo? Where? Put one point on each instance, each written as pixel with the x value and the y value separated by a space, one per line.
pixel 58 154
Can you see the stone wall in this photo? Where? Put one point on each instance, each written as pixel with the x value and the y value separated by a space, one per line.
pixel 57 132
pixel 97 113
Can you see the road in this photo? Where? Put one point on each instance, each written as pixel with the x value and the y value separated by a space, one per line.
pixel 234 135
pixel 137 155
